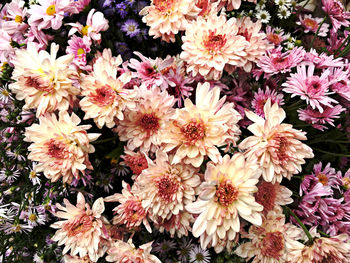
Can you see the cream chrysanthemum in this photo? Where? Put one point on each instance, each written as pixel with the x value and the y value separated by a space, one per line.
pixel 196 130
pixel 225 195
pixel 211 43
pixel 275 145
pixel 167 17
pixel 142 126
pixel 164 188
pixel 82 228
pixel 60 146
pixel 272 241
pixel 105 97
pixel 44 82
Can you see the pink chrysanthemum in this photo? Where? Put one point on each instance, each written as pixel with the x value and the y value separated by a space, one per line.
pixel 275 61
pixel 323 60
pixel 197 130
pixel 82 228
pixel 44 82
pixel 275 145
pixel 335 10
pixel 311 24
pixel 312 88
pixel 262 96
pixel 166 188
pixel 79 47
pixel 130 211
pixel 80 5
pixel 167 17
pixel 105 97
pixel 273 36
pixel 272 241
pixel 212 43
pixel 317 119
pixel 143 126
pixel 62 150
pixel 341 82
pixel 225 195
pixel 13 16
pixel 135 160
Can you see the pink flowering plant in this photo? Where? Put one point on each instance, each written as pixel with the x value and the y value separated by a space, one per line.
pixel 189 131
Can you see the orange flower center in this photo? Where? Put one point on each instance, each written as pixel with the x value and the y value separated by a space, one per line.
pixel 164 6
pixel 32 217
pixel 51 10
pixel 226 193
pixel 266 195
pixel 56 149
pixel 310 24
pixel 272 245
pixel 103 96
pixel 85 30
pixel 167 187
pixel 214 42
pixel 18 19
pixel 274 38
pixel 149 122
pixel 193 131
pixel 323 179
pixel 80 51
pixel 346 182
pixel 80 225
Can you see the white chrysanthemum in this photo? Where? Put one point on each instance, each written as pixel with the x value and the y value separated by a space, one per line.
pixel 44 82
pixel 225 196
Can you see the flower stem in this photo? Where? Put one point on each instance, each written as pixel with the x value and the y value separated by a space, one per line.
pixel 103 140
pixel 300 223
pixel 318 30
pixel 330 153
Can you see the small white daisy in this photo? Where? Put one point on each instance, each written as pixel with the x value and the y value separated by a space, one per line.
pixel 264 16
pixel 33 175
pixel 283 13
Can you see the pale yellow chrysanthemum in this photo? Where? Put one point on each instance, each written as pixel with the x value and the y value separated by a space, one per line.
pixel 166 188
pixel 335 249
pixel 197 130
pixel 167 17
pixel 272 241
pixel 211 43
pixel 105 97
pixel 60 146
pixel 275 145
pixel 142 126
pixel 224 197
pixel 44 82
pixel 82 229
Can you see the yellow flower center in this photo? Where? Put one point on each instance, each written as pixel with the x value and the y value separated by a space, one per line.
pixel 51 10
pixel 346 182
pixel 18 19
pixel 5 93
pixel 85 30
pixel 32 217
pixel 323 179
pixel 80 51
pixel 32 174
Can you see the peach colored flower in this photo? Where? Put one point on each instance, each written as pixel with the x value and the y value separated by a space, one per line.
pixel 272 241
pixel 197 130
pixel 167 17
pixel 82 228
pixel 75 259
pixel 225 196
pixel 105 97
pixel 127 253
pixel 44 82
pixel 211 43
pixel 275 145
pixel 232 4
pixel 60 146
pixel 166 188
pixel 142 126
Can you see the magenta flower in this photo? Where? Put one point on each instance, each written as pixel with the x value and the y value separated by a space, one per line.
pixel 335 10
pixel 262 96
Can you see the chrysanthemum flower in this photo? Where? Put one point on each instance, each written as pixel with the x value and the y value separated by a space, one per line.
pixel 62 150
pixel 212 43
pixel 105 97
pixel 135 160
pixel 338 16
pixel 179 224
pixel 311 24
pixel 126 252
pixel 167 17
pixel 274 35
pixel 312 88
pixel 197 130
pixel 44 82
pixel 225 196
pixel 75 259
pixel 142 126
pixel 262 96
pixel 275 145
pixel 166 188
pixel 335 249
pixel 79 47
pixel 130 211
pixel 272 241
pixel 82 228
pixel 14 14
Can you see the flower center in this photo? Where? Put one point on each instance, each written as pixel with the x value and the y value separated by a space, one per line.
pixel 5 93
pixel 314 86
pixel 56 149
pixel 266 195
pixel 51 10
pixel 164 6
pixel 272 245
pixel 85 30
pixel 280 146
pixel 136 163
pixel 80 51
pixel 79 225
pixel 37 83
pixel 245 33
pixel 167 187
pixel 323 179
pixel 149 122
pixel 133 211
pixel 32 217
pixel 193 131
pixel 226 193
pixel 214 42
pixel 18 19
pixel 103 96
pixel 32 174
pixel 346 182
pixel 310 24
pixel 280 62
pixel 274 38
